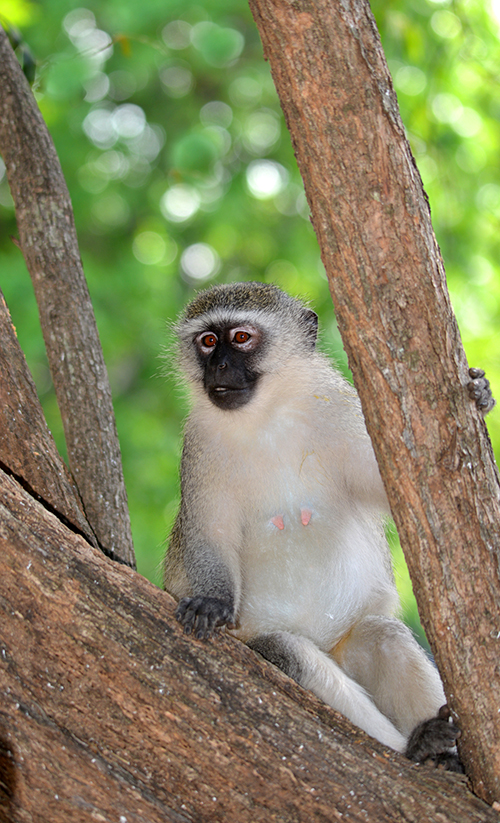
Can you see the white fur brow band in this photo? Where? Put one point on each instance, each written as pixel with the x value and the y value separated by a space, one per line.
pixel 223 317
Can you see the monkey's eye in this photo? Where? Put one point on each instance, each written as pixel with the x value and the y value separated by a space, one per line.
pixel 245 338
pixel 241 337
pixel 208 340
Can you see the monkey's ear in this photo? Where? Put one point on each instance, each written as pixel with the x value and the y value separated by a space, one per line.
pixel 311 325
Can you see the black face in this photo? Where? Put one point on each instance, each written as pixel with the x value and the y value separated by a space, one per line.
pixel 228 355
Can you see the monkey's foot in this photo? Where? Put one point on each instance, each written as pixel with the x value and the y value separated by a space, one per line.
pixel 479 390
pixel 434 740
pixel 273 647
pixel 201 615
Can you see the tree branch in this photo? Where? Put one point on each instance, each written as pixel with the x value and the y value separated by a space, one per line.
pixel 388 285
pixel 27 449
pixel 49 244
pixel 108 711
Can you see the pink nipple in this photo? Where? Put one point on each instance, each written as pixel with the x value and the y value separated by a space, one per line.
pixel 305 516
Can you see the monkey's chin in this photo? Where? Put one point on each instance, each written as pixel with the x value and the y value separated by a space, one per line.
pixel 230 398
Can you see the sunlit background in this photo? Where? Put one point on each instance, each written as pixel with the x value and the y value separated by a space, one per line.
pixel 181 173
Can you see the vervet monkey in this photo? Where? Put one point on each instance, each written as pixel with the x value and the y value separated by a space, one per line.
pixel 280 534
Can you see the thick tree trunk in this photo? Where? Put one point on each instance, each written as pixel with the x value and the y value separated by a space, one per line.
pixel 50 247
pixel 108 712
pixel 388 285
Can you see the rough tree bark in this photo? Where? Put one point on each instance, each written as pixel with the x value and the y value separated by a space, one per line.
pixel 27 448
pixel 50 247
pixel 388 285
pixel 108 712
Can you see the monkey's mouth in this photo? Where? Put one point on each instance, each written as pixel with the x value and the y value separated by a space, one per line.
pixel 230 397
pixel 224 389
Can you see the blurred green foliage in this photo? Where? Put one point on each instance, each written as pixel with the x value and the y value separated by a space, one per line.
pixel 181 173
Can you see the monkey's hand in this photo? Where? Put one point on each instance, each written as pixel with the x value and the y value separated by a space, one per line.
pixel 434 740
pixel 479 391
pixel 202 615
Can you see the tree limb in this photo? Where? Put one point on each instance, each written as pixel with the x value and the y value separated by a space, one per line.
pixel 108 711
pixel 50 248
pixel 27 448
pixel 388 285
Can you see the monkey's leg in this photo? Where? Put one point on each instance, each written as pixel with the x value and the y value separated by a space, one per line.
pixel 302 660
pixel 382 655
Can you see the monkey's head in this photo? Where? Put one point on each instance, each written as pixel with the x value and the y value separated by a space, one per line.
pixel 231 335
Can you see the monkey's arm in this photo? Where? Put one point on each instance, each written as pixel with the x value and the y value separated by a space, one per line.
pixel 203 575
pixel 362 475
pixel 202 564
pixel 197 574
pixel 360 466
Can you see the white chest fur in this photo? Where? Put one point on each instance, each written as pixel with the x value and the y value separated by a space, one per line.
pixel 311 559
pixel 310 551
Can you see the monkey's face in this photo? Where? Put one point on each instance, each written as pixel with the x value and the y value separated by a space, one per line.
pixel 234 337
pixel 228 356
